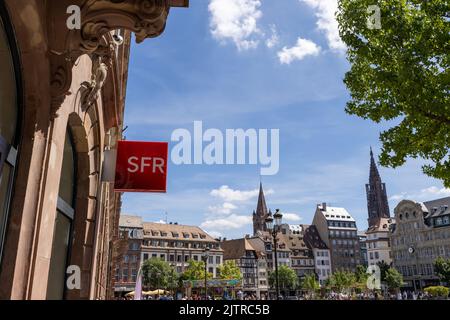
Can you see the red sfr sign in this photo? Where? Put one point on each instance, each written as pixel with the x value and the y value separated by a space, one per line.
pixel 141 166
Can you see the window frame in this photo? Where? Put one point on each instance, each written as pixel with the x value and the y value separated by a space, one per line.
pixel 12 156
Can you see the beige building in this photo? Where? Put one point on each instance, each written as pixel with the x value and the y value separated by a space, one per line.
pixel 301 257
pixel 378 242
pixel 128 259
pixel 62 94
pixel 420 235
pixel 177 244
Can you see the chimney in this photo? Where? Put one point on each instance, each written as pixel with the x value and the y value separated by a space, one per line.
pixel 324 206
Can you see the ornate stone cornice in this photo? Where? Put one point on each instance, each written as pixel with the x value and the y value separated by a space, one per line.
pixel 147 18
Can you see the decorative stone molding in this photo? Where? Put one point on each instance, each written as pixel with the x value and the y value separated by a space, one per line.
pixel 147 18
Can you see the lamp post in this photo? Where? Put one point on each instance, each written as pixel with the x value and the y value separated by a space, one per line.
pixel 273 226
pixel 205 257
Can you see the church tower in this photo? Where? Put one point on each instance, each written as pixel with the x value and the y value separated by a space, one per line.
pixel 377 202
pixel 261 213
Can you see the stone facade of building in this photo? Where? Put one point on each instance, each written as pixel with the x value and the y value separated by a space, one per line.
pixel 177 244
pixel 337 229
pixel 379 243
pixel 129 258
pixel 420 235
pixel 63 92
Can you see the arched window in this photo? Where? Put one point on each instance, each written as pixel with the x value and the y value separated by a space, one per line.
pixel 9 118
pixel 65 213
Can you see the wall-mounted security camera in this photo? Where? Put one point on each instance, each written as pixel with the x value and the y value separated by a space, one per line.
pixel 118 39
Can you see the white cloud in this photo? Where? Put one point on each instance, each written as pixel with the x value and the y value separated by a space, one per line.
pixel 302 49
pixel 430 193
pixel 230 195
pixel 231 222
pixel 236 20
pixel 291 217
pixel 214 234
pixel 160 221
pixel 225 208
pixel 325 11
pixel 274 38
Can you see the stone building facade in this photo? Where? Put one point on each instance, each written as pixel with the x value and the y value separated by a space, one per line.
pixel 379 243
pixel 63 94
pixel 178 244
pixel 129 258
pixel 420 235
pixel 337 229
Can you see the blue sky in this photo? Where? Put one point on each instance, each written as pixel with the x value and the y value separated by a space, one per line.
pixel 257 64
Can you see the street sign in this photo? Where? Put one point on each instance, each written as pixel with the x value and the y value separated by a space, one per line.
pixel 141 166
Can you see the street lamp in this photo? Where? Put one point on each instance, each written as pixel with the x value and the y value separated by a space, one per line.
pixel 205 257
pixel 273 229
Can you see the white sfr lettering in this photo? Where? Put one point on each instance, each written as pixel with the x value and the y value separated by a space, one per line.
pixel 139 165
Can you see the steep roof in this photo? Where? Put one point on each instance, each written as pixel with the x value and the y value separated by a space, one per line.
pixel 438 207
pixel 236 248
pixel 312 238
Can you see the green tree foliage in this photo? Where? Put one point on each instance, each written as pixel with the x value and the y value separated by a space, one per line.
pixel 442 269
pixel 287 278
pixel 361 275
pixel 342 280
pixel 310 284
pixel 394 279
pixel 196 271
pixel 400 73
pixel 384 267
pixel 437 291
pixel 157 274
pixel 229 270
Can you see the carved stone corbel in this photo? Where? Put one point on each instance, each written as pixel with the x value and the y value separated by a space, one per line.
pixel 147 18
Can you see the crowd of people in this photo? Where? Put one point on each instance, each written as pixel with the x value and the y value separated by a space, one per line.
pixel 370 295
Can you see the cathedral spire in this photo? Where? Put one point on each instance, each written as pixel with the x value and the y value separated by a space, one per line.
pixel 261 208
pixel 374 174
pixel 377 203
pixel 259 217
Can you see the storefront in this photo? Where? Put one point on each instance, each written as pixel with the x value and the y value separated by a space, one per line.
pixel 62 100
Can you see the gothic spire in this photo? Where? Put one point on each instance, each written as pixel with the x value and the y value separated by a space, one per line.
pixel 259 218
pixel 374 174
pixel 261 208
pixel 377 203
